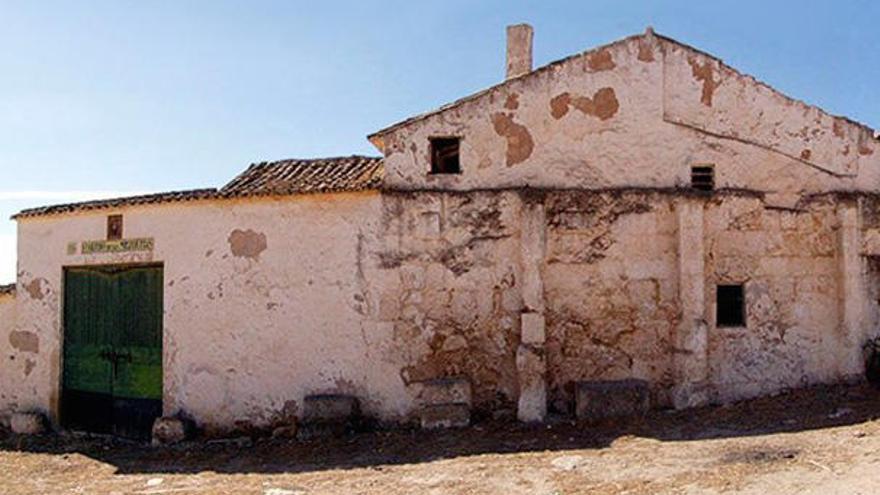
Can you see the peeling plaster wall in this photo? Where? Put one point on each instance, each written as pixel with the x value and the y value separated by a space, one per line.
pixel 610 287
pixel 265 301
pixel 612 283
pixel 13 360
pixel 569 126
pixel 739 107
pixel 562 252
pixel 366 294
pixel 454 300
pixel 638 113
pixel 788 263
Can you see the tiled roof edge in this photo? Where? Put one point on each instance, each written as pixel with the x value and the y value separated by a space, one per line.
pixel 373 182
pixel 145 199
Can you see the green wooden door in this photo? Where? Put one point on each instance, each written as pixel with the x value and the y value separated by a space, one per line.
pixel 112 379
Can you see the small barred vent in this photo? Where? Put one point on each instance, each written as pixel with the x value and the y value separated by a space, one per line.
pixel 703 178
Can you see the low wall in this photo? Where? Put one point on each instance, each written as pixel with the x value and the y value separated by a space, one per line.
pixel 13 360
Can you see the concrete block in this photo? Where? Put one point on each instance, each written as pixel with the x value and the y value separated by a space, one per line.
pixel 445 416
pixel 611 399
pixel 330 408
pixel 168 430
pixel 30 423
pixel 442 391
pixel 532 325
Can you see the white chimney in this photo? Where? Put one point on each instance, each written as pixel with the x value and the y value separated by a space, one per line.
pixel 519 50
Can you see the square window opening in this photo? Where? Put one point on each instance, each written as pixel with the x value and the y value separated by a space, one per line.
pixel 703 177
pixel 114 227
pixel 445 155
pixel 730 310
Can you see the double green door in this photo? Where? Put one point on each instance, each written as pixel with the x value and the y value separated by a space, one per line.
pixel 112 378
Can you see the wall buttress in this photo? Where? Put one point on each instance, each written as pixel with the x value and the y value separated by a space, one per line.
pixel 690 344
pixel 530 355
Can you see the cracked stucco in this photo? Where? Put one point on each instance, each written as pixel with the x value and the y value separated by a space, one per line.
pixel 568 222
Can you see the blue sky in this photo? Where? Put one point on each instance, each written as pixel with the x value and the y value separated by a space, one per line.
pixel 102 98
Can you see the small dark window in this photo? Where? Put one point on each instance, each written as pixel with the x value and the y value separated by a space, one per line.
pixel 114 227
pixel 730 308
pixel 444 155
pixel 703 177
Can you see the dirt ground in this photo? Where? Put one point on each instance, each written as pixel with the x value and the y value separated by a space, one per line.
pixel 822 440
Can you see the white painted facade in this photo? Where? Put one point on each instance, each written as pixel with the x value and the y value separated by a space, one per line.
pixel 570 248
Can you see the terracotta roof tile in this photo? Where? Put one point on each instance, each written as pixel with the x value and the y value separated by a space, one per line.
pixel 284 177
pixel 351 173
pixel 146 199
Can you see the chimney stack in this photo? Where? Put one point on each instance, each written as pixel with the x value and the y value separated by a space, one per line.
pixel 519 50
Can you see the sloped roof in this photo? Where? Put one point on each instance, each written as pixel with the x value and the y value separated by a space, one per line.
pixel 145 199
pixel 350 173
pixel 376 137
pixel 280 178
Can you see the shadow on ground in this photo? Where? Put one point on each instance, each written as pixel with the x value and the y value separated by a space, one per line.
pixel 805 409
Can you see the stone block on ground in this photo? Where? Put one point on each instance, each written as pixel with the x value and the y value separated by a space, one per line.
pixel 443 391
pixel 168 430
pixel 331 408
pixel 596 400
pixel 29 423
pixel 445 416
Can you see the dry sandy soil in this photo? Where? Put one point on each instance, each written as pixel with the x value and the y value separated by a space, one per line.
pixel 817 441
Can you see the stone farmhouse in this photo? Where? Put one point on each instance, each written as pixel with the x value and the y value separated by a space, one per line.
pixel 638 225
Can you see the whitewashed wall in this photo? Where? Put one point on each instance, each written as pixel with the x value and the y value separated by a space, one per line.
pixel 265 301
pixel 12 362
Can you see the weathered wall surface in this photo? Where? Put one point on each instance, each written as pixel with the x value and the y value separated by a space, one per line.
pixel 265 301
pixel 739 107
pixel 575 124
pixel 569 248
pixel 610 282
pixel 613 285
pixel 788 263
pixel 630 279
pixel 13 356
pixel 455 299
pixel 367 294
pixel 638 113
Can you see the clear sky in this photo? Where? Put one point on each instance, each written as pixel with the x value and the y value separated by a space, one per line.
pixel 115 97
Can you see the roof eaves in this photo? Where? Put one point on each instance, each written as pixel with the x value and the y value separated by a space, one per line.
pixel 103 204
